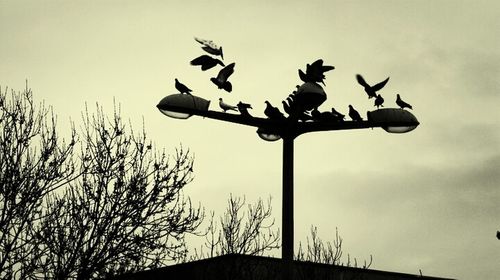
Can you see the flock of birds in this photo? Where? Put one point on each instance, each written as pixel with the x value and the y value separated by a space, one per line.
pixel 315 73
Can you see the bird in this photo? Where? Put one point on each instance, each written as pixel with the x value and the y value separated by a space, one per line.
pixel 401 103
pixel 225 107
pixel 354 114
pixel 206 62
pixel 221 80
pixel 498 234
pixel 315 72
pixel 243 108
pixel 273 112
pixel 337 115
pixel 379 100
pixel 371 90
pixel 181 87
pixel 210 47
pixel 286 107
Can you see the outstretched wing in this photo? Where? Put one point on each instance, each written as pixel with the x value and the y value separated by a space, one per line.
pixel 361 81
pixel 380 85
pixel 204 59
pixel 225 72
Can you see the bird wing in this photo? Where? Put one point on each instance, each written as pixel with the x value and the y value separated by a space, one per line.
pixel 200 60
pixel 207 43
pixel 380 85
pixel 361 81
pixel 303 76
pixel 225 72
pixel 327 68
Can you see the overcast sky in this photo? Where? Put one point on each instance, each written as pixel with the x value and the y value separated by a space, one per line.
pixel 428 199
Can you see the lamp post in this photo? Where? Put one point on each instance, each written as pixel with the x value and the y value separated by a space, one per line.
pixel 287 129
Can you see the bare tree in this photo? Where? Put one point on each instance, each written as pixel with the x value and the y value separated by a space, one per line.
pixel 33 162
pixel 318 251
pixel 249 232
pixel 125 212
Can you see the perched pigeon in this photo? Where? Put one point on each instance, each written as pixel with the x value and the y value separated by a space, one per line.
pixel 379 100
pixel 371 90
pixel 354 114
pixel 225 107
pixel 243 108
pixel 287 108
pixel 322 116
pixel 210 47
pixel 337 115
pixel 221 80
pixel 401 103
pixel 181 87
pixel 315 72
pixel 206 62
pixel 273 112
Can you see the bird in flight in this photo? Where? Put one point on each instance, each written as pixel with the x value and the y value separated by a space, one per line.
pixel 401 103
pixel 210 47
pixel 379 100
pixel 225 107
pixel 221 80
pixel 182 88
pixel 371 90
pixel 315 72
pixel 206 62
pixel 498 234
pixel 272 112
pixel 354 114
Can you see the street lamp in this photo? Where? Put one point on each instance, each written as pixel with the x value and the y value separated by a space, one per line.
pixel 309 95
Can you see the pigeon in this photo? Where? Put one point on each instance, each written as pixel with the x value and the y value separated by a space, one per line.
pixel 287 108
pixel 379 100
pixel 210 47
pixel 371 90
pixel 206 62
pixel 354 114
pixel 401 103
pixel 337 115
pixel 221 80
pixel 243 108
pixel 182 88
pixel 273 112
pixel 498 234
pixel 315 72
pixel 225 107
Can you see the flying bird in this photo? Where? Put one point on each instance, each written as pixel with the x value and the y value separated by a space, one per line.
pixel 225 107
pixel 354 114
pixel 206 62
pixel 181 87
pixel 221 80
pixel 498 234
pixel 273 112
pixel 371 90
pixel 379 100
pixel 401 103
pixel 315 72
pixel 210 47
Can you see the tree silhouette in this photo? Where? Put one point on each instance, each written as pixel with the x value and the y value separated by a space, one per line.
pixel 249 232
pixel 124 213
pixel 103 203
pixel 33 162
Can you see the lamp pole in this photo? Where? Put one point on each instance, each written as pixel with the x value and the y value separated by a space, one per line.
pixel 392 120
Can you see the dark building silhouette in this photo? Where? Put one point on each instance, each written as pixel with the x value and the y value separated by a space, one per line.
pixel 243 267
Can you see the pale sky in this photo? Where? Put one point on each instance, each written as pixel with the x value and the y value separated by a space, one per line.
pixel 428 199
